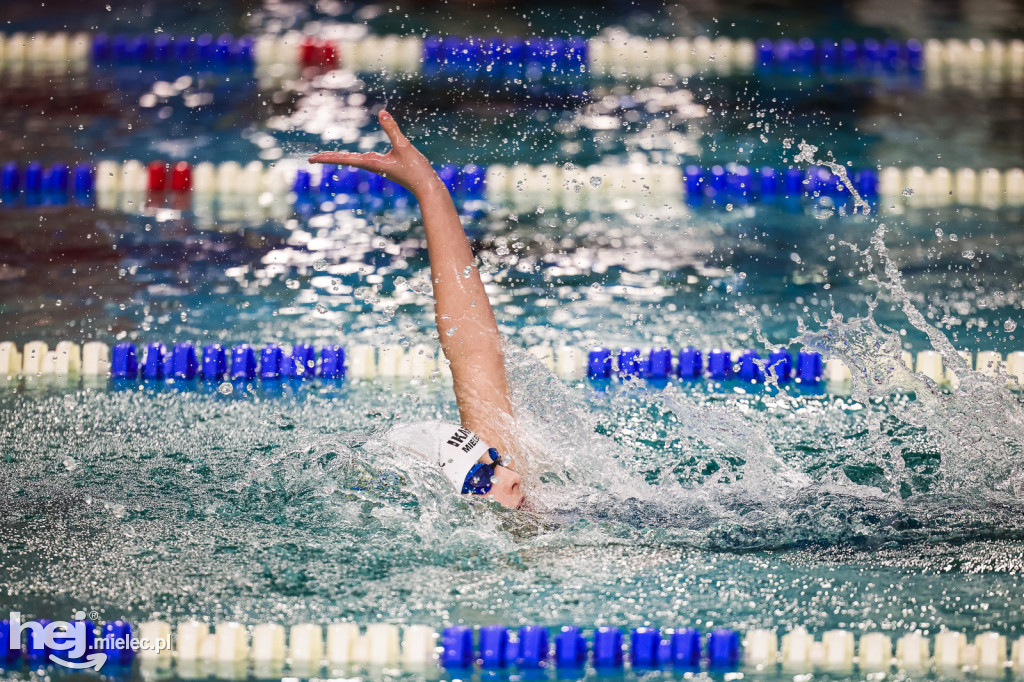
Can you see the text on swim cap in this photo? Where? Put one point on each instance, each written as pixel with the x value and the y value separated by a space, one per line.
pixel 459 439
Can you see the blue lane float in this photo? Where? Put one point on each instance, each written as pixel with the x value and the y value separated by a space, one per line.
pixel 691 363
pixel 243 363
pixel 599 363
pixel 184 363
pixel 332 362
pixel 682 649
pixel 494 645
pixel 659 363
pixel 608 647
pixel 722 365
pixel 113 632
pixel 750 367
pixel 645 644
pixel 153 51
pixel 271 358
pixel 302 361
pixel 723 648
pixel 457 647
pixel 738 184
pixel 809 367
pixel 868 57
pixel 124 362
pixel 216 362
pixel 35 647
pixel 570 647
pixel 153 362
pixel 631 364
pixel 532 648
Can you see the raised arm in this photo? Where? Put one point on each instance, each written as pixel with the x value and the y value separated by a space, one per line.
pixel 465 321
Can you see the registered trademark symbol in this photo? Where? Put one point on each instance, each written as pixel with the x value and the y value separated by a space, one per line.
pixel 93 615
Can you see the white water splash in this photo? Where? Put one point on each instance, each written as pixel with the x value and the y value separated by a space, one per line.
pixel 807 155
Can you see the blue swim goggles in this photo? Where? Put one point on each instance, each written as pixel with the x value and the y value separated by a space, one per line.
pixel 480 478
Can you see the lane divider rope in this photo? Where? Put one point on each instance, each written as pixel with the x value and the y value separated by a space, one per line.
pixel 145 187
pixel 185 362
pixel 553 61
pixel 230 649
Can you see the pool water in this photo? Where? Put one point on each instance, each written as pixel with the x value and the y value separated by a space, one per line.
pixel 895 508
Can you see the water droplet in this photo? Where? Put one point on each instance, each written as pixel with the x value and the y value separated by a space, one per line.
pixel 225 388
pixel 70 463
pixel 321 308
pixel 595 181
pixel 320 264
pixel 908 192
pixel 1009 325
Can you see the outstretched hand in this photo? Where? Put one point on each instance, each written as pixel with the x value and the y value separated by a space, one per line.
pixel 403 164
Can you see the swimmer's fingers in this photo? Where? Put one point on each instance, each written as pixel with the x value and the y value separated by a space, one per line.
pixel 371 161
pixel 394 133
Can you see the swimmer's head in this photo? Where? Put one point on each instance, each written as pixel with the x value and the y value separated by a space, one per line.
pixel 508 488
pixel 489 479
pixel 470 465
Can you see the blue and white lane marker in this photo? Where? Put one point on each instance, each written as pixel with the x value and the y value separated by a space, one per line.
pixel 233 649
pixel 145 188
pixel 555 62
pixel 184 362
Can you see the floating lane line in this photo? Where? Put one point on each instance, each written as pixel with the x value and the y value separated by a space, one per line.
pixel 184 362
pixel 233 190
pixel 556 63
pixel 231 650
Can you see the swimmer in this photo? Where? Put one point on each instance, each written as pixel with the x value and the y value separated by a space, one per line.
pixel 476 455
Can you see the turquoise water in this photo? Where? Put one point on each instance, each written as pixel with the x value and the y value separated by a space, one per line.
pixel 897 508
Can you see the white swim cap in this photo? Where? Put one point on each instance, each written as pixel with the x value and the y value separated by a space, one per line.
pixel 452 447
